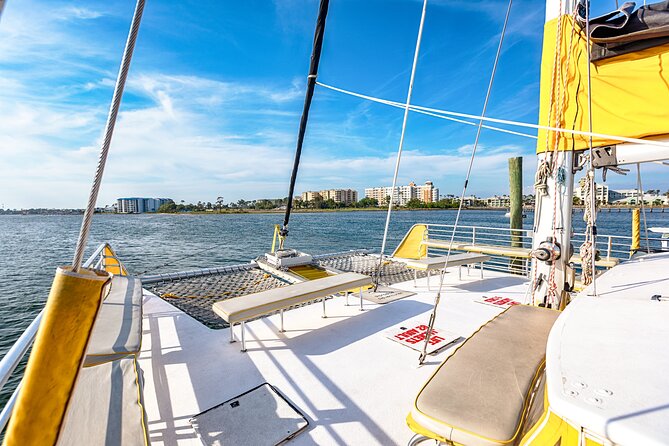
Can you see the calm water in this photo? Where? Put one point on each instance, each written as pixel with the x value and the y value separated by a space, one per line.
pixel 32 246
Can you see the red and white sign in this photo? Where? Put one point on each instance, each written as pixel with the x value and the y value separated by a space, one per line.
pixel 413 336
pixel 498 301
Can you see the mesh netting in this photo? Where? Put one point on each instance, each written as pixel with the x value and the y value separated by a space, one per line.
pixel 392 272
pixel 196 295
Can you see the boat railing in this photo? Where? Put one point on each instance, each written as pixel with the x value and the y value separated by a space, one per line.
pixel 611 247
pixel 18 350
pixel 486 236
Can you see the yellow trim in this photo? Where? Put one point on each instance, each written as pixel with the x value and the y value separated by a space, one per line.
pixel 537 375
pixel 412 246
pixel 139 401
pixel 111 263
pixel 56 357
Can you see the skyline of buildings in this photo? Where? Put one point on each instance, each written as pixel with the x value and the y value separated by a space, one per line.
pixel 604 195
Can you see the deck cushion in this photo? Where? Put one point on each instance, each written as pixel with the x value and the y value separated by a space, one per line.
pixel 106 407
pixel 118 328
pixel 478 395
pixel 246 307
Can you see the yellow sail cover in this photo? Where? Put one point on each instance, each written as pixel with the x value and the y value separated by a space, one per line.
pixel 630 93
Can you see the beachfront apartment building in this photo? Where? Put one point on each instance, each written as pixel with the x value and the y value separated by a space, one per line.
pixel 426 193
pixel 345 196
pixel 139 205
pixel 619 196
pixel 497 201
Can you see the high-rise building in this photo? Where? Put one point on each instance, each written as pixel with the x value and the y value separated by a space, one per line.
pixel 346 196
pixel 137 205
pixel 426 193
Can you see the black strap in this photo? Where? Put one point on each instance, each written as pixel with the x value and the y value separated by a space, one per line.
pixel 311 83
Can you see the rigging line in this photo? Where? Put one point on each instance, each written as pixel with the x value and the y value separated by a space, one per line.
pixel 592 220
pixel 311 83
pixel 109 131
pixel 416 108
pixel 437 298
pixel 642 204
pixel 401 143
pixel 435 115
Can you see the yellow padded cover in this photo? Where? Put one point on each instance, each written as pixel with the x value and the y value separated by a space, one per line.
pixel 56 357
pixel 630 92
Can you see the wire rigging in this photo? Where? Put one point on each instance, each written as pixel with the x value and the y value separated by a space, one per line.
pixel 418 109
pixel 401 143
pixel 109 132
pixel 437 298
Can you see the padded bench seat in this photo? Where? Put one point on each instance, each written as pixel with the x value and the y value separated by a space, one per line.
pixel 479 395
pixel 241 309
pixel 506 251
pixel 118 327
pixel 431 263
pixel 106 407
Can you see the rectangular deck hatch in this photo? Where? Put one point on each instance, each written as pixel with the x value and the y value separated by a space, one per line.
pixel 260 416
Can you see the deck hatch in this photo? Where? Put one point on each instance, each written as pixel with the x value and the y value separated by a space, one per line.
pixel 260 416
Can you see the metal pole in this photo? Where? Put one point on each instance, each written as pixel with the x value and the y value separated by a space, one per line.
pixel 109 131
pixel 311 83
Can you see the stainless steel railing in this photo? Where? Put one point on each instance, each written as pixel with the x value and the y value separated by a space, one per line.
pixel 17 352
pixel 486 236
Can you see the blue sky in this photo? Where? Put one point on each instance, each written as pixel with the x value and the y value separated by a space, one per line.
pixel 215 92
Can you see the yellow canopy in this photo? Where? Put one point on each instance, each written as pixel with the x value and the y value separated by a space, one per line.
pixel 630 93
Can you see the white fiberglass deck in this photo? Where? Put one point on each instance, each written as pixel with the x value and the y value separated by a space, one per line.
pixel 354 385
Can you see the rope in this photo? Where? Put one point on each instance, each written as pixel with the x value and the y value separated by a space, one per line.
pixel 642 204
pixel 433 315
pixel 401 143
pixel 592 215
pixel 541 177
pixel 109 131
pixel 423 112
pixel 419 109
pixel 586 250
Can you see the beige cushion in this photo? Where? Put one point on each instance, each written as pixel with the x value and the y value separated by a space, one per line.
pixel 106 407
pixel 241 308
pixel 118 328
pixel 439 262
pixel 478 395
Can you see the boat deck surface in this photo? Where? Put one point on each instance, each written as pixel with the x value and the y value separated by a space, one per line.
pixel 353 384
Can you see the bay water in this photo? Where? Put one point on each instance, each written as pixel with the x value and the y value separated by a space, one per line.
pixel 31 246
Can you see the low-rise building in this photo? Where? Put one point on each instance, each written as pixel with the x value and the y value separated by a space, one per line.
pixel 139 205
pixel 498 201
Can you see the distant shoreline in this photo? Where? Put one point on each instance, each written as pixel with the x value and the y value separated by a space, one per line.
pixel 53 212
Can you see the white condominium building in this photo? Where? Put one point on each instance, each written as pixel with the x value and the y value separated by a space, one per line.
pixel 137 205
pixel 426 193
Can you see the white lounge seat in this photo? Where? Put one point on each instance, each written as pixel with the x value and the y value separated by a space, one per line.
pixel 429 264
pixel 106 406
pixel 118 327
pixel 479 395
pixel 240 309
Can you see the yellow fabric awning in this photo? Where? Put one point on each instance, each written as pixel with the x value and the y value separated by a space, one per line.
pixel 630 93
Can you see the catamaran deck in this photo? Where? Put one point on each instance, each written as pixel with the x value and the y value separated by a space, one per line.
pixel 353 384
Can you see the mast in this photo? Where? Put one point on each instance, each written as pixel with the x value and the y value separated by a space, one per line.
pixel 551 244
pixel 311 84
